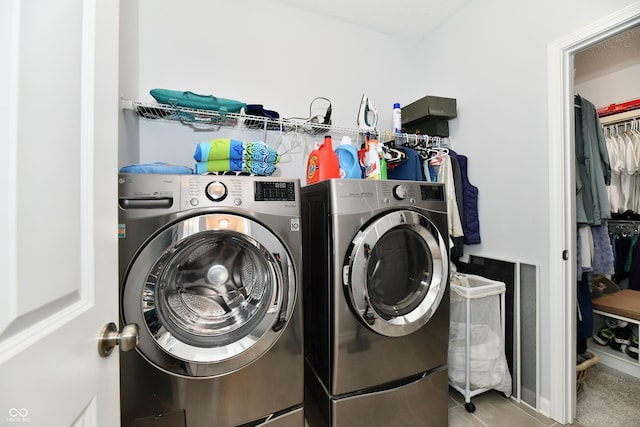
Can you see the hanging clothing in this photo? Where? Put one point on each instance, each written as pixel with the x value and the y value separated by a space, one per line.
pixel 470 217
pixel 602 250
pixel 458 242
pixel 634 271
pixel 622 248
pixel 594 250
pixel 634 136
pixel 616 158
pixel 628 171
pixel 442 165
pixel 593 170
pixel 584 312
pixel 409 169
pixel 584 249
pixel 629 254
pixel 429 172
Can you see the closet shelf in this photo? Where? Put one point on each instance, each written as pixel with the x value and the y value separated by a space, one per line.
pixel 204 119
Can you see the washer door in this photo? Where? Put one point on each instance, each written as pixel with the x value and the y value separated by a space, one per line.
pixel 396 272
pixel 210 293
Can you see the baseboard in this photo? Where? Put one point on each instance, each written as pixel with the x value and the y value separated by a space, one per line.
pixel 545 407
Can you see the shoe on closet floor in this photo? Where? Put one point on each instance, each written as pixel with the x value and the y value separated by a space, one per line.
pixel 615 323
pixel 604 336
pixel 632 349
pixel 621 338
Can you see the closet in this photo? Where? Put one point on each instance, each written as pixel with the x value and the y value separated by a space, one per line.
pixel 606 74
pixel 617 313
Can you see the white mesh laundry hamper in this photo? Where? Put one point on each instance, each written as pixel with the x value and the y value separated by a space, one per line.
pixel 477 361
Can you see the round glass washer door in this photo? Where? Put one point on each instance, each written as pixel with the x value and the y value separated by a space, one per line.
pixel 396 272
pixel 211 294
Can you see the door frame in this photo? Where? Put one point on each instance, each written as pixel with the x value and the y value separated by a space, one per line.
pixel 562 226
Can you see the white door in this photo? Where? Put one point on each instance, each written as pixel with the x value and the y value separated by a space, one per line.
pixel 58 218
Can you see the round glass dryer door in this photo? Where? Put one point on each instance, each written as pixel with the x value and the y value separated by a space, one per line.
pixel 211 294
pixel 396 272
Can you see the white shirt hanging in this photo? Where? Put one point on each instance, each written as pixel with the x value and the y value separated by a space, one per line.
pixel 444 171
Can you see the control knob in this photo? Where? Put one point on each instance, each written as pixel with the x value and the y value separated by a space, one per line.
pixel 216 191
pixel 399 192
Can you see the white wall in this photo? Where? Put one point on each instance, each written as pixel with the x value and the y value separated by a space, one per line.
pixel 492 57
pixel 614 88
pixel 275 55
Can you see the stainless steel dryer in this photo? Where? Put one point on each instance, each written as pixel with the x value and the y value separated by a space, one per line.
pixel 376 303
pixel 210 272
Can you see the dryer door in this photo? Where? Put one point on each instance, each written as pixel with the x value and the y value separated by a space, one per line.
pixel 210 293
pixel 396 272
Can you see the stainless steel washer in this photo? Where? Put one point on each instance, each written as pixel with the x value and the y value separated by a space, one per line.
pixel 210 272
pixel 375 278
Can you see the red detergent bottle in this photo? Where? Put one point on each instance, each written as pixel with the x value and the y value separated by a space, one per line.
pixel 323 163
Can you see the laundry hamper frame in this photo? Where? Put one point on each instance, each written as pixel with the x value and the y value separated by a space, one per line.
pixel 492 288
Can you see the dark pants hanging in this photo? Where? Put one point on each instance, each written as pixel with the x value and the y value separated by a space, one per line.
pixel 585 313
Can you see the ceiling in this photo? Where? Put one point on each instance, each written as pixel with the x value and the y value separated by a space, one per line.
pixel 410 19
pixel 415 19
pixel 610 55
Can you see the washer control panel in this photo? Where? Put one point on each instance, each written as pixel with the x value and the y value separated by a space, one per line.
pixel 261 194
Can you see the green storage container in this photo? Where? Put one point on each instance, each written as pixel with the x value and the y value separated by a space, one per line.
pixel 429 116
pixel 429 107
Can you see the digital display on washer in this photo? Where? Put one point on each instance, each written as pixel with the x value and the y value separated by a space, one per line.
pixel 432 192
pixel 275 191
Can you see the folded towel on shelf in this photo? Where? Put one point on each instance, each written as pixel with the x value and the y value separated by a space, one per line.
pixel 157 167
pixel 254 167
pixel 225 148
pixel 223 154
pixel 217 149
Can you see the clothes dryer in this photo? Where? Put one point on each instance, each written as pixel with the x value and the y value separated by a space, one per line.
pixel 210 272
pixel 376 303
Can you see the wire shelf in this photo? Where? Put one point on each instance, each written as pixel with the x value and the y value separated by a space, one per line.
pixel 216 119
pixel 211 119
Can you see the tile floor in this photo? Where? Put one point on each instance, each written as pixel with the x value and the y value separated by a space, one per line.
pixel 493 410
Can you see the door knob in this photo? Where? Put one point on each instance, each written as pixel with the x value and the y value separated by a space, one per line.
pixel 127 339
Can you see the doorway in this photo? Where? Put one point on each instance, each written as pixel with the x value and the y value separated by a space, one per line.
pixel 562 226
pixel 606 73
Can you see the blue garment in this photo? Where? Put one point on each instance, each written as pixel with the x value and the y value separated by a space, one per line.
pixel 157 167
pixel 410 169
pixel 470 218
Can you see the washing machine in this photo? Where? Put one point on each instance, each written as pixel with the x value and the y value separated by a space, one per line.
pixel 210 271
pixel 376 303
